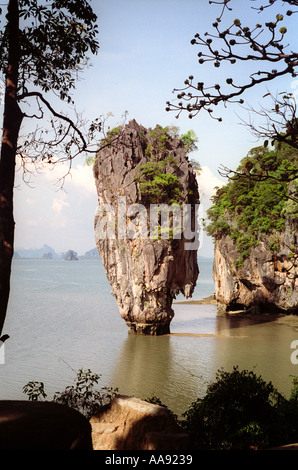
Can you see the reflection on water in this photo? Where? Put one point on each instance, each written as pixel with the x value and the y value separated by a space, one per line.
pixel 225 324
pixel 164 367
pixel 140 362
pixel 178 368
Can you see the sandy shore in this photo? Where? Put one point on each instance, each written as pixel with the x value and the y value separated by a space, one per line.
pixel 206 301
pixel 197 335
pixel 280 318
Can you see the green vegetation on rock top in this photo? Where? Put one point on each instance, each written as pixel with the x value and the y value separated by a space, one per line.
pixel 255 202
pixel 156 178
pixel 158 186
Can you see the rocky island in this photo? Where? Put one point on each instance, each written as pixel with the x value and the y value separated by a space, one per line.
pixel 254 222
pixel 141 176
pixel 71 256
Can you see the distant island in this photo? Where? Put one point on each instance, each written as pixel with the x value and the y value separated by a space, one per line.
pixel 71 256
pixel 47 252
pixel 90 254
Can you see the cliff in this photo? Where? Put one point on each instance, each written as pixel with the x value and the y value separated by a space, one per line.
pixel 267 281
pixel 146 261
pixel 254 222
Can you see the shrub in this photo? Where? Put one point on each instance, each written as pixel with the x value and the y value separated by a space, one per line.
pixel 241 411
pixel 158 179
pixel 82 396
pixel 34 390
pixel 158 186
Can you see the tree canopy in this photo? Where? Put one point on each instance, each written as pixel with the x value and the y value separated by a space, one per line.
pixel 51 47
pixel 54 37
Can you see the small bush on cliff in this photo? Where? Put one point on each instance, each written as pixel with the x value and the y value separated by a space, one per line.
pixel 294 394
pixel 160 137
pixel 82 396
pixel 241 411
pixel 156 185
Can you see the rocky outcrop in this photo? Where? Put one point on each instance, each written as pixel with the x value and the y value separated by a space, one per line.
pixel 267 281
pixel 71 256
pixel 145 266
pixel 132 424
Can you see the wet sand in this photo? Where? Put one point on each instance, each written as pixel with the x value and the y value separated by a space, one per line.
pixel 206 301
pixel 280 318
pixel 199 335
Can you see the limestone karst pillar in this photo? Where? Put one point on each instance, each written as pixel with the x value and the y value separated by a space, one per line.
pixel 145 273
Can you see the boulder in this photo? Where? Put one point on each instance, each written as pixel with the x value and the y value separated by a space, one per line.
pixel 26 425
pixel 132 424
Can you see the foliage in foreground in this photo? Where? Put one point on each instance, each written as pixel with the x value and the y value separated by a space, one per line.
pixel 82 396
pixel 240 411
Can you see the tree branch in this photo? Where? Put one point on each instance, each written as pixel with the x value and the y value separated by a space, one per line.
pixel 281 116
pixel 57 115
pixel 196 97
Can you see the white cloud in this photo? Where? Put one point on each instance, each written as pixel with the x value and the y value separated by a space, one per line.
pixel 80 177
pixel 208 182
pixel 58 205
pixel 32 222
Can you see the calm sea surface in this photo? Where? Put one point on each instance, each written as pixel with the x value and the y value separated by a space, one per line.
pixel 62 317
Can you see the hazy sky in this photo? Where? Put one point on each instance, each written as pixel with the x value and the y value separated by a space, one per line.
pixel 145 53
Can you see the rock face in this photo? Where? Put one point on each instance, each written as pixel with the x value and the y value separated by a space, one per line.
pixel 145 273
pixel 132 424
pixel 265 282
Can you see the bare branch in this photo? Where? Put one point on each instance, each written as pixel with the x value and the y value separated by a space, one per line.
pixel 280 124
pixel 57 115
pixel 61 141
pixel 260 44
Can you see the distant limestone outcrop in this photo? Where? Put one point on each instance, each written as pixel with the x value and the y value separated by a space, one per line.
pixel 147 262
pixel 71 256
pixel 45 252
pixel 90 254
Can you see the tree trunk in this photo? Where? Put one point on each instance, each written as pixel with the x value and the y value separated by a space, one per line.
pixel 11 125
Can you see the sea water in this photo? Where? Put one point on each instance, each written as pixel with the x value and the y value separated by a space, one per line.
pixel 62 317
